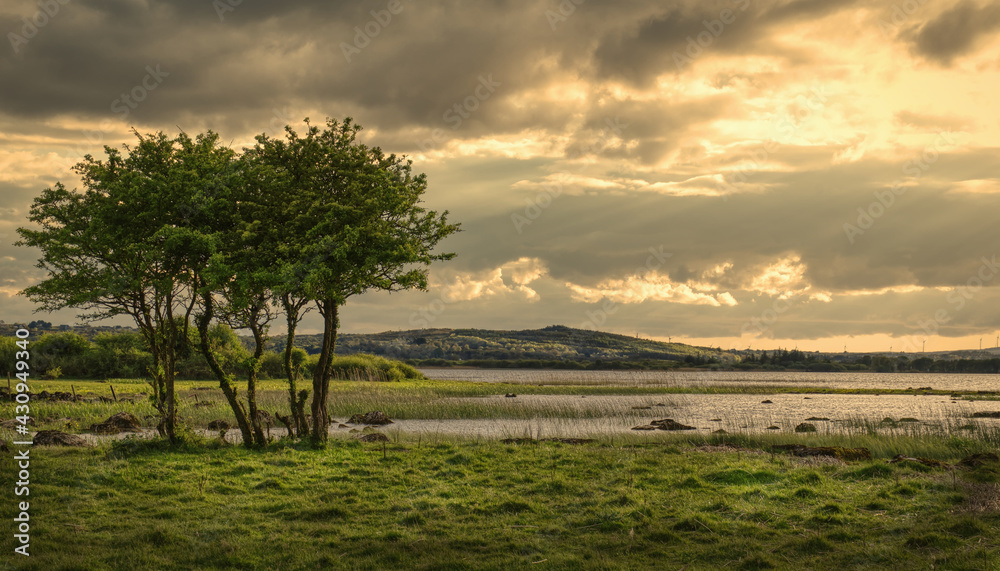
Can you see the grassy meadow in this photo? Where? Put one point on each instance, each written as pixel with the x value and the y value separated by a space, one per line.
pixel 432 501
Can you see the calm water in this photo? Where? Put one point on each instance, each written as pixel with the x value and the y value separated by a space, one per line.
pixel 709 412
pixel 584 416
pixel 866 380
pixel 733 413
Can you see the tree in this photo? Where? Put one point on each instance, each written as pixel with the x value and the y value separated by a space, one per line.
pixel 105 250
pixel 351 222
pixel 8 353
pixel 182 228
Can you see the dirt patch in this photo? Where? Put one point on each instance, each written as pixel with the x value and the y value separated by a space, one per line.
pixel 978 459
pixel 925 461
pixel 839 452
pixel 727 448
pixel 56 396
pixel 56 438
pixel 560 440
pixel 117 423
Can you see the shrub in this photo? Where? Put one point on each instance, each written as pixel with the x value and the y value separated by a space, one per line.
pixel 363 367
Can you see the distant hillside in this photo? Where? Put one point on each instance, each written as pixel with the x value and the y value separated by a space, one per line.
pixel 553 343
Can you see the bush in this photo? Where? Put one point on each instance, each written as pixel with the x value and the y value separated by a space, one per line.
pixel 363 367
pixel 121 355
pixel 64 351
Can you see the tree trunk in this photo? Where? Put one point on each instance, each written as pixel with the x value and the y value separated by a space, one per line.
pixel 295 403
pixel 258 338
pixel 321 377
pixel 225 383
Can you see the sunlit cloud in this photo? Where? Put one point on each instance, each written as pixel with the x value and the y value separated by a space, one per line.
pixel 490 283
pixel 651 286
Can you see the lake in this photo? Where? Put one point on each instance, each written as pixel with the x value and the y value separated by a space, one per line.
pixel 857 380
pixel 601 415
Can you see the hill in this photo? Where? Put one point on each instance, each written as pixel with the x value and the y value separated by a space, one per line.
pixel 551 344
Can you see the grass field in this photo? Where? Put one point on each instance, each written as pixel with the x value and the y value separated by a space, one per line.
pixel 638 501
pixel 665 503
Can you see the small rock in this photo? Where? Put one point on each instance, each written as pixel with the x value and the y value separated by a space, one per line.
pixel 805 427
pixel 817 418
pixel 986 414
pixel 665 424
pixel 117 423
pixel 641 407
pixel 772 427
pixel 14 423
pixel 343 426
pixel 766 402
pixel 716 419
pixel 720 431
pixel 56 438
pixel 510 395
pixel 374 417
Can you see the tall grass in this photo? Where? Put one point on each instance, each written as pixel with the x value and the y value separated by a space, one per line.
pixel 562 410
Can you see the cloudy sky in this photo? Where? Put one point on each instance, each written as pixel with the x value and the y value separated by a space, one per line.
pixel 810 173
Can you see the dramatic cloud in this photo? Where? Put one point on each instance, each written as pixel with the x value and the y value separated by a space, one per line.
pixel 956 31
pixel 806 172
